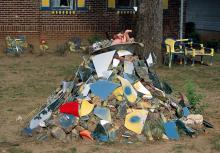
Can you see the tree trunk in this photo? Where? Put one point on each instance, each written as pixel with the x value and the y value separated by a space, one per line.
pixel 150 26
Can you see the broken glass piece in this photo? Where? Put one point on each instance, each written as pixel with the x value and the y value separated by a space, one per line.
pixel 118 93
pixel 84 73
pixel 86 108
pixel 42 124
pixel 86 89
pixel 128 90
pixel 166 88
pixel 103 88
pixel 171 130
pixel 130 77
pixel 27 131
pixel 100 133
pixel 102 62
pixel 103 122
pixel 103 113
pixel 142 63
pixel 185 111
pixel 135 121
pixel 45 113
pixel 123 53
pixel 67 120
pixel 142 72
pixel 155 79
pixel 104 132
pixel 115 62
pixel 67 86
pixel 140 88
pixel 70 108
pixel 107 74
pixel 187 129
pixel 122 109
pixel 128 67
pixel 150 61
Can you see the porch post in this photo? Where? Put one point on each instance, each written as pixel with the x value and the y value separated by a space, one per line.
pixel 181 18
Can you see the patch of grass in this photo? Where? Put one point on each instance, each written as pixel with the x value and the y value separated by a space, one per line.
pixel 73 150
pixel 18 150
pixel 178 148
pixel 194 98
pixel 94 149
pixel 118 151
pixel 9 110
pixel 215 142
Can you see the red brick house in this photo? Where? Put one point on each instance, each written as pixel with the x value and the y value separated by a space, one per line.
pixel 62 19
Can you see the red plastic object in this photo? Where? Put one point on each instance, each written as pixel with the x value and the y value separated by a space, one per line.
pixel 85 134
pixel 70 108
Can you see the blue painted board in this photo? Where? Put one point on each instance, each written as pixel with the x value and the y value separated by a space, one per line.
pixel 103 88
pixel 171 130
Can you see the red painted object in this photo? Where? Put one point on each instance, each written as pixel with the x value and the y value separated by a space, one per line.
pixel 85 134
pixel 70 108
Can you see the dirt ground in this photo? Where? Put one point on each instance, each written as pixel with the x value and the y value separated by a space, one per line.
pixel 27 81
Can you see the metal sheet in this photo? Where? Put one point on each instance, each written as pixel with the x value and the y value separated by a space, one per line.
pixel 102 62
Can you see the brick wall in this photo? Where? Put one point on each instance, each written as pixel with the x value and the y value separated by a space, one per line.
pixel 24 17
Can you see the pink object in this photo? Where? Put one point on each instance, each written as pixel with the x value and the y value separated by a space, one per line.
pixel 70 108
pixel 121 38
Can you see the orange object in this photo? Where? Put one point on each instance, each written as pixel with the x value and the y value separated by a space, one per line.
pixel 85 134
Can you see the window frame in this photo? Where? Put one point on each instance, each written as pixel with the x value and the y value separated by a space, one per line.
pixel 73 7
pixel 124 7
pixel 63 8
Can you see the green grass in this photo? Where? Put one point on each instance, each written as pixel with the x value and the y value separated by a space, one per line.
pixel 73 150
pixel 18 150
pixel 215 142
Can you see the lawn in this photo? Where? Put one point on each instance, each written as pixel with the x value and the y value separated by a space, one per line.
pixel 26 82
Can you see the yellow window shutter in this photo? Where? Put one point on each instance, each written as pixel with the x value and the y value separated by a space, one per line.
pixel 111 3
pixel 165 4
pixel 81 3
pixel 45 3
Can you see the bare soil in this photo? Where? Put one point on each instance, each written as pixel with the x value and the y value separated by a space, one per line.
pixel 27 81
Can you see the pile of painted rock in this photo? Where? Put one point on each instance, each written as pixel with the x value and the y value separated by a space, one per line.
pixel 115 96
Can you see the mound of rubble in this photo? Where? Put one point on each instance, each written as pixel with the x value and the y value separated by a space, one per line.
pixel 115 96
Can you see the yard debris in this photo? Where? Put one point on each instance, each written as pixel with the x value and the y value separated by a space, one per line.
pixel 43 46
pixel 116 96
pixel 16 46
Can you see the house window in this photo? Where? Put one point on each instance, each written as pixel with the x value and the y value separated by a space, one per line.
pixel 63 4
pixel 125 4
